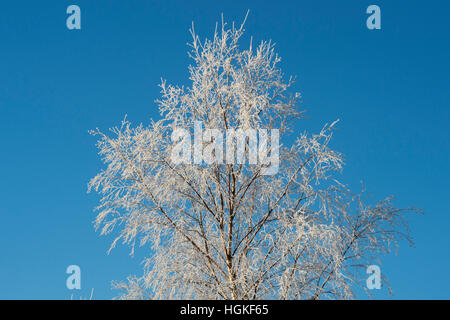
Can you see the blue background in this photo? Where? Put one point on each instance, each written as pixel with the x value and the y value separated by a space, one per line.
pixel 389 87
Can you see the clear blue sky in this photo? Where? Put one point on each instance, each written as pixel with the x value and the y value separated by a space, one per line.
pixel 389 87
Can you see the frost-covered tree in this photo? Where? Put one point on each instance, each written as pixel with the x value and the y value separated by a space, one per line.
pixel 225 230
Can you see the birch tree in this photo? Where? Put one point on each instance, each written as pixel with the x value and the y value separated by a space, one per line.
pixel 225 230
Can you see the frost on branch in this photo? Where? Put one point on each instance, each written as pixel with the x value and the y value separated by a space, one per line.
pixel 226 231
